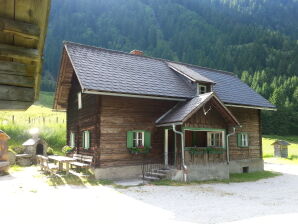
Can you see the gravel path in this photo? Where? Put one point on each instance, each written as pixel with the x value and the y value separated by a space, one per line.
pixel 27 199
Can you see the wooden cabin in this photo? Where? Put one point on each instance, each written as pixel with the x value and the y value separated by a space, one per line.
pixel 23 26
pixel 129 111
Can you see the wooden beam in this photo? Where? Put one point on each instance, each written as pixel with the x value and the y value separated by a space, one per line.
pixel 19 52
pixel 15 74
pixel 16 93
pixel 14 105
pixel 13 67
pixel 16 80
pixel 19 28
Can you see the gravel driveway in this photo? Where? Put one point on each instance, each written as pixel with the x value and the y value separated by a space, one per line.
pixel 27 199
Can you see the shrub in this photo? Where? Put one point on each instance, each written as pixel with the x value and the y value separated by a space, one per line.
pixel 66 149
pixel 50 151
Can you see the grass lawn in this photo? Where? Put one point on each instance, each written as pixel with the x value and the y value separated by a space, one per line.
pixel 268 151
pixel 234 178
pixel 52 125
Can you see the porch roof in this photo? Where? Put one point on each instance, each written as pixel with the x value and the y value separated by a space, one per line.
pixel 182 111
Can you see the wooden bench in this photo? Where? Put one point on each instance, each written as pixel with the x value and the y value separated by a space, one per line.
pixel 44 164
pixel 82 161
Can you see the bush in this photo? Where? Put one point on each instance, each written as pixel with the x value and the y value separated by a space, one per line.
pixel 66 149
pixel 50 151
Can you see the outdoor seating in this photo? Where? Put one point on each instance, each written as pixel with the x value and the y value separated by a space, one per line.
pixel 82 161
pixel 45 166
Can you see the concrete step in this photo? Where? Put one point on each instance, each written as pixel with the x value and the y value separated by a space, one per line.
pixel 164 171
pixel 156 174
pixel 151 178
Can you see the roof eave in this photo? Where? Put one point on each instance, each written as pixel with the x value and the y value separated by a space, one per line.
pixel 251 106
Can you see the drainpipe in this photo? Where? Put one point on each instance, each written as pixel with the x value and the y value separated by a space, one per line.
pixel 228 148
pixel 182 151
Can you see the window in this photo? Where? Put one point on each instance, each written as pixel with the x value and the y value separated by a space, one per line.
pixel 138 138
pixel 86 139
pixel 72 140
pixel 79 100
pixel 215 139
pixel 243 140
pixel 201 89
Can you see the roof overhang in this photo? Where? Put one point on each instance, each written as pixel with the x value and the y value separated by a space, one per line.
pixel 132 95
pixel 250 107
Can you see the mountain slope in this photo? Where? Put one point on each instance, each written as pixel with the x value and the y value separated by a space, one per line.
pixel 255 39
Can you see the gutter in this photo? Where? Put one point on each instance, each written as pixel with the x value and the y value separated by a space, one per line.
pixel 228 148
pixel 182 152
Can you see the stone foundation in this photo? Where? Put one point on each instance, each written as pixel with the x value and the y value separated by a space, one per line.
pixel 114 173
pixel 246 165
pixel 211 171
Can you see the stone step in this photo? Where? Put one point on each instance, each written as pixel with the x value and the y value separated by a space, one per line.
pixel 156 174
pixel 150 178
pixel 164 171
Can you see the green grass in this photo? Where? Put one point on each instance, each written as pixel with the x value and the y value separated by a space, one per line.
pixel 75 180
pixel 268 150
pixel 15 168
pixel 234 178
pixel 52 126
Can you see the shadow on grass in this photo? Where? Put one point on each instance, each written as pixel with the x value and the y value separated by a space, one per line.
pixel 234 178
pixel 70 179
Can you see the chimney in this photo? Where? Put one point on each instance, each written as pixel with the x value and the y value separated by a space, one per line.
pixel 137 52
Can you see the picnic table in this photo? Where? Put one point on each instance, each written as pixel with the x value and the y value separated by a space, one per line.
pixel 61 160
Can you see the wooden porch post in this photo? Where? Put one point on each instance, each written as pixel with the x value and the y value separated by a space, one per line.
pixel 166 147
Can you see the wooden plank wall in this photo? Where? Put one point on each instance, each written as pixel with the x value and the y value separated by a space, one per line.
pixel 122 114
pixel 249 119
pixel 23 26
pixel 213 119
pixel 84 119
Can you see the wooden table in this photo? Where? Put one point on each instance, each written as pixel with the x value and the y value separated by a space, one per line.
pixel 61 160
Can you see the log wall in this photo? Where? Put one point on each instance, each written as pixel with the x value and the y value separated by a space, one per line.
pixel 122 114
pixel 250 121
pixel 84 119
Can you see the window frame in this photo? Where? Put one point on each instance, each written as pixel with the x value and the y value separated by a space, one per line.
pixel 243 140
pixel 136 138
pixel 199 86
pixel 213 142
pixel 80 105
pixel 72 142
pixel 86 143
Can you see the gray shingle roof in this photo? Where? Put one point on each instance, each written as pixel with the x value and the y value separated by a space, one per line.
pixel 111 71
pixel 281 142
pixel 184 70
pixel 183 109
pixel 118 72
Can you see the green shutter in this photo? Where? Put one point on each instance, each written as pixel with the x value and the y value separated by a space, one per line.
pixel 83 139
pixel 247 140
pixel 239 142
pixel 129 139
pixel 147 139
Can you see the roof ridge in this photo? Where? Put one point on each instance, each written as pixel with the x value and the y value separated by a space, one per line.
pixel 149 57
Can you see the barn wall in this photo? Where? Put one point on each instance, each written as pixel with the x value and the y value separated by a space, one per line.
pixel 122 114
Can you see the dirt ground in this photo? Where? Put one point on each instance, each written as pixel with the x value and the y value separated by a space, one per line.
pixel 24 198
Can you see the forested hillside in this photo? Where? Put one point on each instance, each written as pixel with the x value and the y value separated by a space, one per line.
pixel 255 39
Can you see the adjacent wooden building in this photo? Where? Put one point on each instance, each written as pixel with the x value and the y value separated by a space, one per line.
pixel 129 110
pixel 23 26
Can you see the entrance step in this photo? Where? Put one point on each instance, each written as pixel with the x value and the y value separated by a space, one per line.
pixel 150 178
